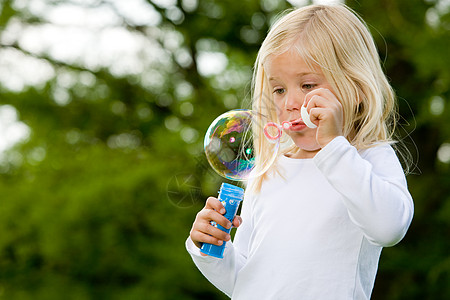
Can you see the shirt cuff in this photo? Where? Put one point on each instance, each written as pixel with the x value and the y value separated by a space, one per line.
pixel 194 251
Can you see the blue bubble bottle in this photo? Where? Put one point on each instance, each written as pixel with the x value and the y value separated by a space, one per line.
pixel 230 196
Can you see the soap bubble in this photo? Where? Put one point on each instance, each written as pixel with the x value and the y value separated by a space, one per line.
pixel 229 144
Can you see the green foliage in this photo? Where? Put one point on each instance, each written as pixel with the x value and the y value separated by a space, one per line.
pixel 98 201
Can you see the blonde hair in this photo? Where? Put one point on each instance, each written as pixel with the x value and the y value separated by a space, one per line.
pixel 338 41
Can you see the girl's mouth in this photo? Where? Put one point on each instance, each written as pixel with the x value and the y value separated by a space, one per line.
pixel 294 125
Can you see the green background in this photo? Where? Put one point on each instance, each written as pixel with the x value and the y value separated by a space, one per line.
pixel 98 201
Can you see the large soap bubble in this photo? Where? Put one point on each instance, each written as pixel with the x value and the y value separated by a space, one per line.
pixel 229 144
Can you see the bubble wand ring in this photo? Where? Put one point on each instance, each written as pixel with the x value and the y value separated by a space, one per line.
pixel 273 138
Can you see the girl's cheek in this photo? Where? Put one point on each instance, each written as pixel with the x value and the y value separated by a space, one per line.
pixel 279 107
pixel 279 112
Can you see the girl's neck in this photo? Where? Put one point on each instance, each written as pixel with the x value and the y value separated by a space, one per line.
pixel 302 154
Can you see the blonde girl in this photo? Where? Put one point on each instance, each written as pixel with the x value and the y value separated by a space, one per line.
pixel 314 225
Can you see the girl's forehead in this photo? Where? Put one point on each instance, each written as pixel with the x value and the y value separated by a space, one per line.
pixel 290 61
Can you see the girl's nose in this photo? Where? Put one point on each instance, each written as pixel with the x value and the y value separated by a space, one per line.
pixel 294 101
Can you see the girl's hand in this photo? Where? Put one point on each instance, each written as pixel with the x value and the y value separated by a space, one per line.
pixel 326 112
pixel 203 232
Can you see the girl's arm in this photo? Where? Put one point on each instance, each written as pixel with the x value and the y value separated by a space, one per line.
pixel 222 272
pixel 373 187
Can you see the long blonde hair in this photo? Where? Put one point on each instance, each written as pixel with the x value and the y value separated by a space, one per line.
pixel 338 41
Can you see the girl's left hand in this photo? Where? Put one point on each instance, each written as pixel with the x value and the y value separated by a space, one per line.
pixel 326 112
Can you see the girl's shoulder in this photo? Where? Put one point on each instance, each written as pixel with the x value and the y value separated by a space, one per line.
pixel 377 150
pixel 383 158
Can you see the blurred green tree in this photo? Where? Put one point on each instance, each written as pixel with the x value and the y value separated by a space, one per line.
pixel 98 199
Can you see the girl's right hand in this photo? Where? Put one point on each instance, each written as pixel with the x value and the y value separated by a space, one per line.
pixel 203 232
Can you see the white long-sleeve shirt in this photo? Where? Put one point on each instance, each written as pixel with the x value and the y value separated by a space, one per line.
pixel 317 232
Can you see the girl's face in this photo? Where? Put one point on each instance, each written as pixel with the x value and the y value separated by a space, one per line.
pixel 290 79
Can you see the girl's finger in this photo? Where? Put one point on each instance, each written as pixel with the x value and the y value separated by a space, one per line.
pixel 212 230
pixel 200 238
pixel 209 215
pixel 237 221
pixel 313 98
pixel 214 203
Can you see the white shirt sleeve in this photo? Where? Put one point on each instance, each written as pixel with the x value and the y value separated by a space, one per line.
pixel 373 187
pixel 222 273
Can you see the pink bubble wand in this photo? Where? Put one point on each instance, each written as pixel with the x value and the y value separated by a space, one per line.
pixel 286 125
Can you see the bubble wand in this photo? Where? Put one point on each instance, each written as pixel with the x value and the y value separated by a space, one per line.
pixel 286 125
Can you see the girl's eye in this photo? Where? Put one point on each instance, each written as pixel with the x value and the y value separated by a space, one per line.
pixel 308 86
pixel 279 91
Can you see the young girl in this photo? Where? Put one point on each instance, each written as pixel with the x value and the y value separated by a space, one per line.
pixel 313 227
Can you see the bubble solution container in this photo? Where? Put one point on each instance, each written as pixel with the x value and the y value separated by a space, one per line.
pixel 230 196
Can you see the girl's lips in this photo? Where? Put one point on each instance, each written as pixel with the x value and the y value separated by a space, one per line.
pixel 297 126
pixel 297 122
pixel 294 125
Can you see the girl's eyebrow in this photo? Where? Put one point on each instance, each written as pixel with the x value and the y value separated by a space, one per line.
pixel 307 73
pixel 273 78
